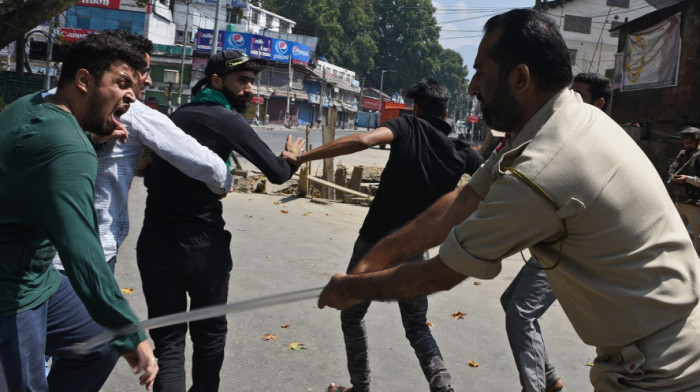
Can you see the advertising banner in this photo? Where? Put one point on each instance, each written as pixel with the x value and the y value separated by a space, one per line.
pixel 370 103
pixel 204 38
pixel 111 4
pixel 652 56
pixel 72 35
pixel 254 45
pixel 130 5
pixel 472 119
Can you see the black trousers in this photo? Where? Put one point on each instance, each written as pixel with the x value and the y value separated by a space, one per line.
pixel 175 263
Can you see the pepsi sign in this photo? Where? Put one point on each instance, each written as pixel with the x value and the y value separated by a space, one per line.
pixel 236 41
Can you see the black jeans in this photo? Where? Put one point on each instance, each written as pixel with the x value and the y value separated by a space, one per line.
pixel 175 263
pixel 413 317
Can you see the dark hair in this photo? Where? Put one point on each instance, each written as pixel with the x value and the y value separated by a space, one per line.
pixel 600 86
pixel 139 43
pixel 431 95
pixel 96 53
pixel 529 37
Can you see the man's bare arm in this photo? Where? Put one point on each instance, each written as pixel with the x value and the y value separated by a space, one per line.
pixel 403 282
pixel 346 145
pixel 426 231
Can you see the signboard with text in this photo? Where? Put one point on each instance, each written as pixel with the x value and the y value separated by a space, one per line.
pixel 472 119
pixel 254 45
pixel 370 103
pixel 72 35
pixel 111 4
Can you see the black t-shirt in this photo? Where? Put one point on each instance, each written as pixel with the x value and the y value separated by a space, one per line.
pixel 424 164
pixel 176 200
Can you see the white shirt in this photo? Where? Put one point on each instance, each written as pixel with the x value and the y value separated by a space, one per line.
pixel 118 162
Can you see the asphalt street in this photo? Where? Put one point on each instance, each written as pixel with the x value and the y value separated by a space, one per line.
pixel 282 244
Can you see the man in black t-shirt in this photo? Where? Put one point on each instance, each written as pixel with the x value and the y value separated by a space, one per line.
pixel 423 165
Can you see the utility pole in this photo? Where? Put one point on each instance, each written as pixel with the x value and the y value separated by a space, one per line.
pixel 215 39
pixel 381 94
pixel 287 116
pixel 323 93
pixel 184 49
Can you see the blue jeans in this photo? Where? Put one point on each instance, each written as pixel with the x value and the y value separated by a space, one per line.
pixel 525 301
pixel 52 328
pixel 413 317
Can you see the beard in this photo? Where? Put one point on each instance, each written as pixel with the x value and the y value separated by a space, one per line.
pixel 238 102
pixel 503 112
pixel 95 123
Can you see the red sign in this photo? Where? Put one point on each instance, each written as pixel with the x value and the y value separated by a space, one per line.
pixel 72 35
pixel 370 103
pixel 258 99
pixel 472 119
pixel 111 4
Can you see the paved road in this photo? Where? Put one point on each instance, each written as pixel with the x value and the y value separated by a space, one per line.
pixel 276 252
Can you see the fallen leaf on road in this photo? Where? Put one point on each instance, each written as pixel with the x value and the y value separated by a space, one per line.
pixel 305 214
pixel 473 364
pixel 276 203
pixel 429 324
pixel 458 315
pixel 269 336
pixel 285 325
pixel 127 290
pixel 589 363
pixel 284 211
pixel 296 346
pixel 477 283
pixel 248 216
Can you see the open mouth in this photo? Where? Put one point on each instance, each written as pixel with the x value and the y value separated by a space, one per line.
pixel 118 113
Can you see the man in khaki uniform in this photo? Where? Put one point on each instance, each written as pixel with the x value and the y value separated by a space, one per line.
pixel 620 261
pixel 684 172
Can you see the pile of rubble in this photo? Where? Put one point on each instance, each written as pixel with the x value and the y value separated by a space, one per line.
pixel 247 181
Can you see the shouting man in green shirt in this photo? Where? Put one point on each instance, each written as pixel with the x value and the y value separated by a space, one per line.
pixel 47 176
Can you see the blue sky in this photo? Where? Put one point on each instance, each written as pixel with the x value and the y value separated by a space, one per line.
pixel 461 22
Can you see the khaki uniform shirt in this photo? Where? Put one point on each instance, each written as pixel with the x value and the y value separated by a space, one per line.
pixel 627 268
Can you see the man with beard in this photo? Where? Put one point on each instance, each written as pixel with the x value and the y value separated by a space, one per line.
pixel 684 172
pixel 47 180
pixel 569 185
pixel 183 248
pixel 529 295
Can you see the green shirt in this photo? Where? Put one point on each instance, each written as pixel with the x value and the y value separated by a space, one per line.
pixel 47 187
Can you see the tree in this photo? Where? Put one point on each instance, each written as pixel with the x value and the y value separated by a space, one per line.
pixel 18 16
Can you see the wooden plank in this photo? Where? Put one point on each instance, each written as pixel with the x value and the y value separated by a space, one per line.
pixel 329 184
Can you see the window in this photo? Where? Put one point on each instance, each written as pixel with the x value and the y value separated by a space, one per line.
pixel 171 75
pixel 615 33
pixel 284 26
pixel 255 16
pixel 572 56
pixel 268 21
pixel 577 24
pixel 619 3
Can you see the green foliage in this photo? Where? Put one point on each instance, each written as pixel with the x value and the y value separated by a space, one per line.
pixel 368 36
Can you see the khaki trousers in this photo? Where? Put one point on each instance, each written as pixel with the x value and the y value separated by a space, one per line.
pixel 667 360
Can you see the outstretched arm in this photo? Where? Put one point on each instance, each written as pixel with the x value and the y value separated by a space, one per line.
pixel 346 145
pixel 403 282
pixel 426 231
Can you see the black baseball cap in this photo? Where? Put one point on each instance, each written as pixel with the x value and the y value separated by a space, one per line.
pixel 233 61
